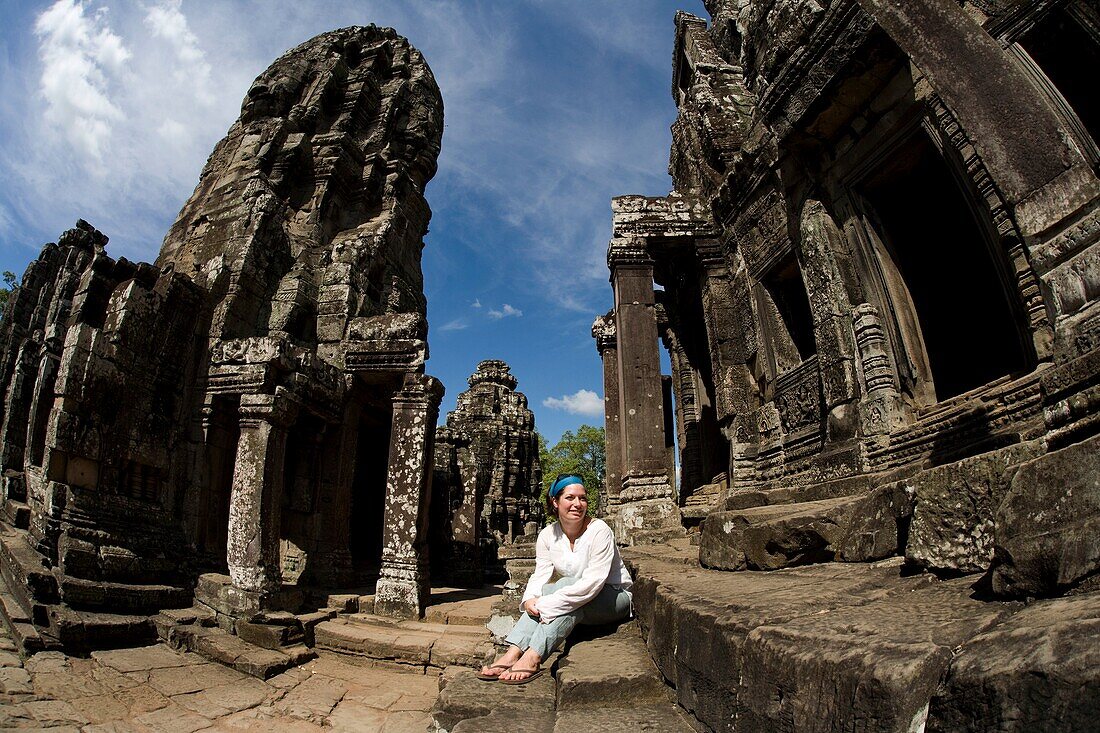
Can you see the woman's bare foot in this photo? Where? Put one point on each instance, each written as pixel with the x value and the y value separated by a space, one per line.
pixel 502 664
pixel 523 667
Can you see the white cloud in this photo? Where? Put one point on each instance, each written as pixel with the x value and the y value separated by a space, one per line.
pixel 81 58
pixel 582 402
pixel 476 303
pixel 456 325
pixel 167 22
pixel 505 311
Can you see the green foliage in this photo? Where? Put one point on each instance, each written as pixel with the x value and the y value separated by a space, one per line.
pixel 582 453
pixel 5 292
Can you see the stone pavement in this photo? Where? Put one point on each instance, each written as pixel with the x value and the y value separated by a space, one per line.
pixel 155 688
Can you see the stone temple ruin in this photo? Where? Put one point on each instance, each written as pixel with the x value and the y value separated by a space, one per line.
pixel 877 280
pixel 249 417
pixel 878 283
pixel 487 480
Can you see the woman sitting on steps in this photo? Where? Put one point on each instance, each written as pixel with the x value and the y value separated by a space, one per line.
pixel 594 587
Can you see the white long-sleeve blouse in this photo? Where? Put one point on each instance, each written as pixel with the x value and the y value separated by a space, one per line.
pixel 593 560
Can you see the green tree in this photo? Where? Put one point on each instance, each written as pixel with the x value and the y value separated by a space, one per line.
pixel 5 292
pixel 582 453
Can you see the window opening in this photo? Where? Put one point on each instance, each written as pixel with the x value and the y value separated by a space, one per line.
pixel 788 292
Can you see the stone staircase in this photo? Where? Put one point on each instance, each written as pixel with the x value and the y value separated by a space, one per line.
pixel 604 681
pixel 409 646
pixel 45 614
pixel 452 633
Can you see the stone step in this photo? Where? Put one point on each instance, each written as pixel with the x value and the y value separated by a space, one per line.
pixel 81 632
pixel 25 571
pixel 404 645
pixel 652 718
pixel 768 537
pixel 608 668
pixel 603 681
pixel 469 705
pixel 124 597
pixel 462 606
pixel 220 646
pixel 169 618
pixel 846 646
pixel 25 634
pixel 16 513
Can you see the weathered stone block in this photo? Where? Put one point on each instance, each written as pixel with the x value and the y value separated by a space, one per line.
pixel 270 636
pixel 854 529
pixel 1037 671
pixel 952 527
pixel 1048 525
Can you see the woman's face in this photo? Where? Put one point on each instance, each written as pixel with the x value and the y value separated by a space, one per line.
pixel 572 502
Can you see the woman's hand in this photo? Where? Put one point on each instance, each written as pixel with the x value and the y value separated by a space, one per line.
pixel 531 608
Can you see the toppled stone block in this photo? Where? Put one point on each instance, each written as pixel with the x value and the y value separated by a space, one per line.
pixel 853 528
pixel 1048 525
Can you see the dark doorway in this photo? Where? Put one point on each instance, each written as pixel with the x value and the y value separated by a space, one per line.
pixel 368 496
pixel 969 325
pixel 222 437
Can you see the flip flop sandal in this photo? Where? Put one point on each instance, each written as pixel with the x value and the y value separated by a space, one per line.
pixel 493 677
pixel 534 673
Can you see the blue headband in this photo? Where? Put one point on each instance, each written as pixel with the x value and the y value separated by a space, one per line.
pixel 561 483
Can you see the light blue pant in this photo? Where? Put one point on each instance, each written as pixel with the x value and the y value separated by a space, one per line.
pixel 609 605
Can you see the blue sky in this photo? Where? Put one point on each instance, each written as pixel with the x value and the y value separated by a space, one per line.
pixel 108 109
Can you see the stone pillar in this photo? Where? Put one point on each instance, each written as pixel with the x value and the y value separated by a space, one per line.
pixel 603 330
pixel 881 408
pixel 646 501
pixel 252 551
pixel 403 585
pixel 830 306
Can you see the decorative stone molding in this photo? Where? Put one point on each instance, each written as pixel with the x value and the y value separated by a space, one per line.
pixel 603 330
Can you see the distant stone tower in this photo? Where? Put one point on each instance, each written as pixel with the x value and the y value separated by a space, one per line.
pixel 487 475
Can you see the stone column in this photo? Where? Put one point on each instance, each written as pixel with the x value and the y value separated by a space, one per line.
pixel 646 501
pixel 603 330
pixel 403 585
pixel 881 408
pixel 252 551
